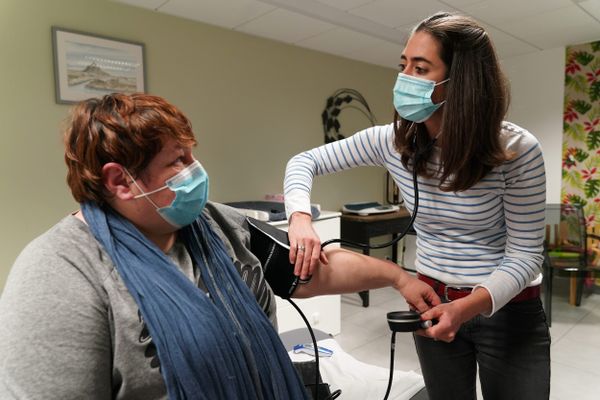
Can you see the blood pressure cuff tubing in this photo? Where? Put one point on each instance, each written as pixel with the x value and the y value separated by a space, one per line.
pixel 272 247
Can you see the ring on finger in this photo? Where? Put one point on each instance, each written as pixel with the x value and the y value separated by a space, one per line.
pixel 301 247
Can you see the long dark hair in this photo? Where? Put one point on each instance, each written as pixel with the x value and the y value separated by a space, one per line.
pixel 476 103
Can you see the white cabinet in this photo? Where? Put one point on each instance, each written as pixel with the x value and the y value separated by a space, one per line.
pixel 322 312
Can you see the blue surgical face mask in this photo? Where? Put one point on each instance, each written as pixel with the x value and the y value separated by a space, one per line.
pixel 412 97
pixel 191 194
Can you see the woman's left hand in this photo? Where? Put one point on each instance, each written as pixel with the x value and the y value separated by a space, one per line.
pixel 449 319
pixel 450 316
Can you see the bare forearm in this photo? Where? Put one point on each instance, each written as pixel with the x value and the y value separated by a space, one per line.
pixel 478 302
pixel 349 272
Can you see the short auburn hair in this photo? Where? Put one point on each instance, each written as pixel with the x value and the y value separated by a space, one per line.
pixel 128 129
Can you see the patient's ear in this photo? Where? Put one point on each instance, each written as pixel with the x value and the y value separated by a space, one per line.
pixel 116 181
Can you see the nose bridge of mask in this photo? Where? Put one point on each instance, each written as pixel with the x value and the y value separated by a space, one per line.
pixel 422 86
pixel 415 91
pixel 174 183
pixel 184 177
pixel 418 89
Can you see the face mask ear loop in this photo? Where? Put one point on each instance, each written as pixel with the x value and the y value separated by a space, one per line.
pixel 443 101
pixel 144 194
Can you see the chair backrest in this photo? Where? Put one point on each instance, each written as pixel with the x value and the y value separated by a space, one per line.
pixel 572 226
pixel 566 229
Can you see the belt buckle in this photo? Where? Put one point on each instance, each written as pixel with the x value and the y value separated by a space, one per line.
pixel 457 288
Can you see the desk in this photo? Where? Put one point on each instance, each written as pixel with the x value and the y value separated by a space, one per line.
pixel 361 229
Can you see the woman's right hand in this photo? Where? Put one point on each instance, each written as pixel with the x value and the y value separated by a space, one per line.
pixel 305 245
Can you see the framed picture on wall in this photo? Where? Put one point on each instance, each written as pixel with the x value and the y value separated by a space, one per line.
pixel 87 65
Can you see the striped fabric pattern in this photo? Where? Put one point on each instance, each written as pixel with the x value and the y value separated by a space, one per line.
pixel 490 235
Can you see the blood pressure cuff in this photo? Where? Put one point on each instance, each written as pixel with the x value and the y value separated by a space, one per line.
pixel 272 248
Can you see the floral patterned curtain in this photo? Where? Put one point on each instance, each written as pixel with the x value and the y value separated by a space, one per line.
pixel 581 131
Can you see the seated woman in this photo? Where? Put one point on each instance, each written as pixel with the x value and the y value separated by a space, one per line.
pixel 150 290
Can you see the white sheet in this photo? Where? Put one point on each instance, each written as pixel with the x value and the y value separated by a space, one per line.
pixel 360 381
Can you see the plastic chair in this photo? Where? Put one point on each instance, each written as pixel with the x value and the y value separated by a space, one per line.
pixel 569 248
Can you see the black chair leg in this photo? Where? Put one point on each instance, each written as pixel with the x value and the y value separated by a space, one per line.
pixel 580 282
pixel 549 296
pixel 364 295
pixel 548 275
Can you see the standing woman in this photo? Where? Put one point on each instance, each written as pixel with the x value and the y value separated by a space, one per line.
pixel 480 218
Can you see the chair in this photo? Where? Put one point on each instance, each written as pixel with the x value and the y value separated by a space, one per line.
pixel 568 249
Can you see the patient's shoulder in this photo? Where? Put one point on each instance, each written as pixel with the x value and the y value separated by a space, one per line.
pixel 66 254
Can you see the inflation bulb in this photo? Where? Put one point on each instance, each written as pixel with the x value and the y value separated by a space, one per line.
pixel 406 321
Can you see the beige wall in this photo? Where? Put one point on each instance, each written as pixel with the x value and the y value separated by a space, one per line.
pixel 537 105
pixel 253 103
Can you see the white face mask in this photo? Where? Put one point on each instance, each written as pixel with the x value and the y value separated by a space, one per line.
pixel 190 186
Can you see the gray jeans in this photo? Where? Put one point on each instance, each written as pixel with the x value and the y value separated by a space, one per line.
pixel 512 350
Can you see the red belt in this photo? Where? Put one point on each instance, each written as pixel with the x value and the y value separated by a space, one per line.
pixel 454 292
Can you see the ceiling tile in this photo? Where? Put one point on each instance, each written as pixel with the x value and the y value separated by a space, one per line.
pixel 150 4
pixel 503 39
pixel 513 48
pixel 591 6
pixel 458 4
pixel 344 4
pixel 338 17
pixel 366 29
pixel 394 13
pixel 340 41
pixel 506 45
pixel 496 12
pixel 562 27
pixel 385 54
pixel 229 14
pixel 285 26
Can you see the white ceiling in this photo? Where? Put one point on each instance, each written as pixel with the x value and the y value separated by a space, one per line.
pixel 375 31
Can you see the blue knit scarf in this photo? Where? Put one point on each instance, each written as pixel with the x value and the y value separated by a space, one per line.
pixel 220 346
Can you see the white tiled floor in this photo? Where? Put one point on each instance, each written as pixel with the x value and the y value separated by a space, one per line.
pixel 575 334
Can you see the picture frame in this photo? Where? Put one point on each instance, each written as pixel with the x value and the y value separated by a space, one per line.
pixel 88 65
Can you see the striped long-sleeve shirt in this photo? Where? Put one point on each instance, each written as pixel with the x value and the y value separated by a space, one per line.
pixel 490 235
